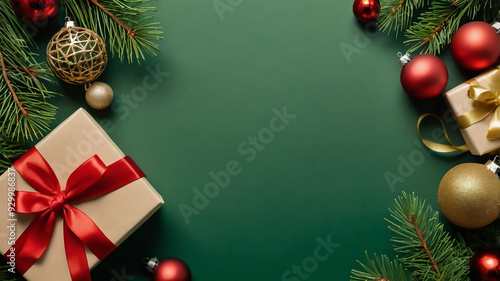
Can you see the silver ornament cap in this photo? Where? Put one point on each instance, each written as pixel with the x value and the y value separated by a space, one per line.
pixel 493 166
pixel 151 264
pixel 496 26
pixel 404 59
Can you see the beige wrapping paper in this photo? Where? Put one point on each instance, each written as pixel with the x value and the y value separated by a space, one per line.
pixel 475 135
pixel 118 214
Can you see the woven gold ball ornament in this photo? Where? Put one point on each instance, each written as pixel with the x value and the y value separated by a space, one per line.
pixel 76 55
pixel 469 194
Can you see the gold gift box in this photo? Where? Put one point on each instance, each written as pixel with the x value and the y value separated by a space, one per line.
pixel 475 135
pixel 118 214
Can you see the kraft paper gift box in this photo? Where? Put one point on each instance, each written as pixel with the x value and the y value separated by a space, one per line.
pixel 461 104
pixel 118 214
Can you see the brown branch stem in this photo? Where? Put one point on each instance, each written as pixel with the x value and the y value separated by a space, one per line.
pixel 426 249
pixel 11 89
pixel 115 18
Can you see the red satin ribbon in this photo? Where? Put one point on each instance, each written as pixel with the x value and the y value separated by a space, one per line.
pixel 91 179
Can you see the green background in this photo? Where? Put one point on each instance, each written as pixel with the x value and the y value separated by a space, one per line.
pixel 321 177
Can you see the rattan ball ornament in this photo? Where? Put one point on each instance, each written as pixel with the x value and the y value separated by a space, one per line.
pixel 76 55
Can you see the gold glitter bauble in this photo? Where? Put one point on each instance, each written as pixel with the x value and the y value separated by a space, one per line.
pixel 469 195
pixel 76 55
pixel 99 95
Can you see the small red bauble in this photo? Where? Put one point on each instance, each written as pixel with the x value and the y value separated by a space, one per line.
pixel 366 10
pixel 36 11
pixel 168 269
pixel 475 45
pixel 424 76
pixel 485 266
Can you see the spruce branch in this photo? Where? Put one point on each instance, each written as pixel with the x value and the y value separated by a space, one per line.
pixel 436 26
pixel 124 23
pixel 424 245
pixel 9 151
pixel 379 269
pixel 397 15
pixel 24 110
pixel 425 251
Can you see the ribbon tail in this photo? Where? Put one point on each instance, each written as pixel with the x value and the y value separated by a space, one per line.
pixel 76 256
pixel 85 229
pixel 34 241
pixel 494 127
pixel 439 147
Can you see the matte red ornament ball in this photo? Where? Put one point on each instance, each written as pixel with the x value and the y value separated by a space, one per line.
pixel 172 269
pixel 366 10
pixel 485 266
pixel 36 11
pixel 475 45
pixel 425 76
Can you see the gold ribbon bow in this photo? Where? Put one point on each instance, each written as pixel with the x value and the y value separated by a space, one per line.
pixel 486 102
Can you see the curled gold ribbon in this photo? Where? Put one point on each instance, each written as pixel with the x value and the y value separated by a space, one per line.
pixel 487 101
pixel 439 147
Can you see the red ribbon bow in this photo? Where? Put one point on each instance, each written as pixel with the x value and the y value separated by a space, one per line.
pixel 91 179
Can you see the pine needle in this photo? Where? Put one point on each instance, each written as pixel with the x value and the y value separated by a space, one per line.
pixel 124 23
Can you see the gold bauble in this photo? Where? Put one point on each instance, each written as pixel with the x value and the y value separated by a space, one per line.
pixel 469 195
pixel 76 55
pixel 99 95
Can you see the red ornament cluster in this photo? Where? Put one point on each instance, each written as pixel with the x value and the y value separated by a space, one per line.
pixel 36 11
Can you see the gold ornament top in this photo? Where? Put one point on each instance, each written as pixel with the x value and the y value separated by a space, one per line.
pixel 77 55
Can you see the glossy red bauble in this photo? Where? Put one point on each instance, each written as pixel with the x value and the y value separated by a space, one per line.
pixel 475 45
pixel 36 11
pixel 485 266
pixel 168 269
pixel 366 10
pixel 425 76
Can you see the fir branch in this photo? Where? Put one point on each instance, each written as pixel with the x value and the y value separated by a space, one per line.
pixel 9 151
pixel 24 111
pixel 436 26
pixel 423 244
pixel 397 15
pixel 124 23
pixel 379 269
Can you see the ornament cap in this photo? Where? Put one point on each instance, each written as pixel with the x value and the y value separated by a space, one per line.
pixel 493 166
pixel 151 264
pixel 70 24
pixel 404 59
pixel 496 26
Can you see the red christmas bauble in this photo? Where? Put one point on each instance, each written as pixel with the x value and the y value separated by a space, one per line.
pixel 366 10
pixel 36 11
pixel 485 266
pixel 168 269
pixel 475 45
pixel 425 76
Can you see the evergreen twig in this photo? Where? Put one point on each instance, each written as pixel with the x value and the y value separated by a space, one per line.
pixel 424 248
pixel 124 23
pixel 436 21
pixel 379 269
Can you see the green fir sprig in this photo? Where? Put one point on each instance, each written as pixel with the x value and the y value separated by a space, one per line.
pixel 25 112
pixel 436 21
pixel 425 250
pixel 124 23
